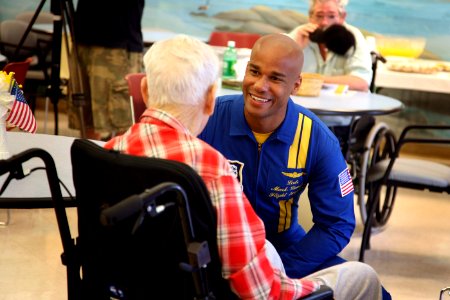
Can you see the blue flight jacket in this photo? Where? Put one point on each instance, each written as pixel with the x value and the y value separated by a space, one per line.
pixel 301 152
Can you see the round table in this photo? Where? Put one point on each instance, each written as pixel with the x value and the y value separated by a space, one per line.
pixel 352 103
pixel 33 190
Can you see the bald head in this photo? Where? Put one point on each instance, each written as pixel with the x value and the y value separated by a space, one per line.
pixel 280 46
pixel 272 75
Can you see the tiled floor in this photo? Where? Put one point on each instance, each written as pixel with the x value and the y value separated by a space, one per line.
pixel 412 255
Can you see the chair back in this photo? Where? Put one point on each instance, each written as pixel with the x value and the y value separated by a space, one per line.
pixel 42 18
pixel 136 101
pixel 38 45
pixel 242 39
pixel 11 32
pixel 19 68
pixel 110 255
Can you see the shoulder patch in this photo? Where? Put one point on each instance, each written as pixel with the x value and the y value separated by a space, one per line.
pixel 345 182
pixel 237 167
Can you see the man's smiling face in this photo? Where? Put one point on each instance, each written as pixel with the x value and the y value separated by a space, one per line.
pixel 272 75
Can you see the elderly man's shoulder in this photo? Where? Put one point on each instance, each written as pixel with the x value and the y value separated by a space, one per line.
pixel 214 164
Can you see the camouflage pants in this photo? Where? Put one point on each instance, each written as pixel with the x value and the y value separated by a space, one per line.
pixel 108 102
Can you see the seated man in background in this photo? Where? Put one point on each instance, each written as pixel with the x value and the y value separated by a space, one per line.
pixel 277 149
pixel 179 91
pixel 353 69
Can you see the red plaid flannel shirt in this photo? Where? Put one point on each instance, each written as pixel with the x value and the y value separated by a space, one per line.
pixel 241 234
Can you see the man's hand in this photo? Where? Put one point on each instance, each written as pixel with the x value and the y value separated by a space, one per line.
pixel 301 33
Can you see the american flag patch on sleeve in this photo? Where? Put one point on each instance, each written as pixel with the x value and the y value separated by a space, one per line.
pixel 345 182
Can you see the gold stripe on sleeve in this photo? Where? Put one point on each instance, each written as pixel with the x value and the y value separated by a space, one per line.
pixel 298 151
pixel 304 143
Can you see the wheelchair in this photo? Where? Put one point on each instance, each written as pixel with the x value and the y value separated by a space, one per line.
pixel 134 213
pixel 370 142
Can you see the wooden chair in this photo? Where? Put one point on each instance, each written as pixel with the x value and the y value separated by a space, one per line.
pixel 242 39
pixel 136 101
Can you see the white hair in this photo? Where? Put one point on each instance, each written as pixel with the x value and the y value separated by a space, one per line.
pixel 341 4
pixel 180 70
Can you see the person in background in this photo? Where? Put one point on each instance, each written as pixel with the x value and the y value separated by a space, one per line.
pixel 277 148
pixel 179 91
pixel 110 45
pixel 353 69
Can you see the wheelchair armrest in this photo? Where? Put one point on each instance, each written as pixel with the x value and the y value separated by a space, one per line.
pixel 323 293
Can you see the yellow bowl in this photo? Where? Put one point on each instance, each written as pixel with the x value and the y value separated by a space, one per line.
pixel 400 46
pixel 311 85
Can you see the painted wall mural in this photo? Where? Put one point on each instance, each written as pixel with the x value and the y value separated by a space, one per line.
pixel 429 19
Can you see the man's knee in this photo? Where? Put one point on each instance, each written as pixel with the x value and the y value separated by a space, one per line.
pixel 364 278
pixel 351 280
pixel 362 270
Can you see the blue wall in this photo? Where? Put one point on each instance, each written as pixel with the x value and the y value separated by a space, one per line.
pixel 430 19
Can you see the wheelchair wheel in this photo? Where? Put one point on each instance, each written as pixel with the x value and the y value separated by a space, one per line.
pixel 384 208
pixel 380 144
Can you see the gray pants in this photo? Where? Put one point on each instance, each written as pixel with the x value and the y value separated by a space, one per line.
pixel 351 280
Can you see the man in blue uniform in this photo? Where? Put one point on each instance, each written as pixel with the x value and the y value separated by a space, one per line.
pixel 276 149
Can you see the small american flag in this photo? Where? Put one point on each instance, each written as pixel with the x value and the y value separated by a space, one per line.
pixel 345 182
pixel 21 114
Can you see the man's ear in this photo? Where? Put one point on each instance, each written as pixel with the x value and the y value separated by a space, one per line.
pixel 343 16
pixel 297 84
pixel 210 99
pixel 144 90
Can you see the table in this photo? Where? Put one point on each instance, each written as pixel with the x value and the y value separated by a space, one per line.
pixel 351 104
pixel 34 190
pixel 438 82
